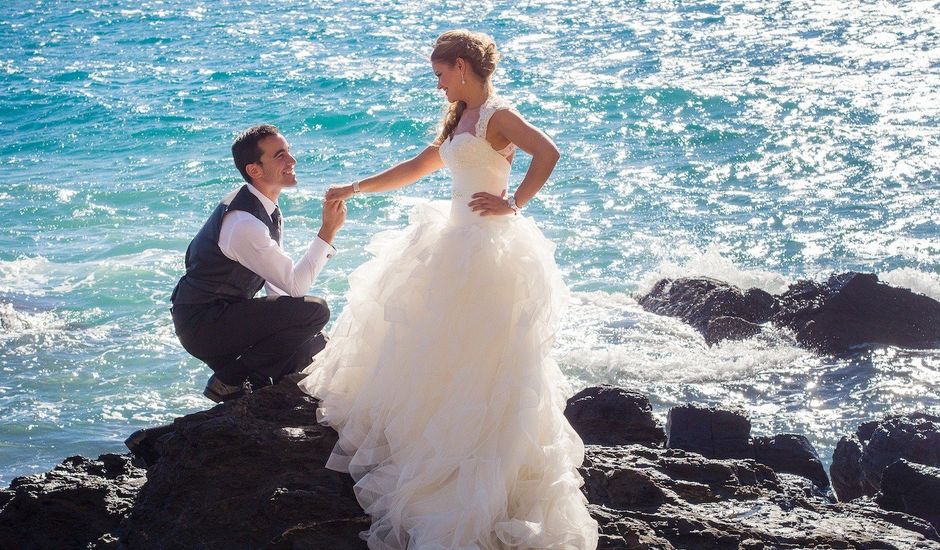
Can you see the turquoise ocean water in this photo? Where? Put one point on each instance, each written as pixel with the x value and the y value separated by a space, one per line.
pixel 757 142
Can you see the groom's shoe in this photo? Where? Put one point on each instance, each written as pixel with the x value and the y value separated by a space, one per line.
pixel 219 391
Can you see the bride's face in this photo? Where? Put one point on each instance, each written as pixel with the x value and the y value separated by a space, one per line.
pixel 448 79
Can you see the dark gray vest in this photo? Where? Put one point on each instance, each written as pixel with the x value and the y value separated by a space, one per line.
pixel 210 276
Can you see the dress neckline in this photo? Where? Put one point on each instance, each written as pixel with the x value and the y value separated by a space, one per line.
pixel 486 110
pixel 486 143
pixel 492 101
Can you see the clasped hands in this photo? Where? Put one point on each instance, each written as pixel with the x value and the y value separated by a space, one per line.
pixel 334 216
pixel 338 193
pixel 486 204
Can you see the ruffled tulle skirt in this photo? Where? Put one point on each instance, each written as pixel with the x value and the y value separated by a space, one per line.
pixel 438 380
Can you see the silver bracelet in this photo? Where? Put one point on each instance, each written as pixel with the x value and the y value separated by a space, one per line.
pixel 356 187
pixel 511 201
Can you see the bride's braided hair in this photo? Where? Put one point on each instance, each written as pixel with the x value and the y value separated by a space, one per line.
pixel 479 52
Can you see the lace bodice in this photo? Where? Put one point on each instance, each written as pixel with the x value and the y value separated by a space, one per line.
pixel 487 110
pixel 474 165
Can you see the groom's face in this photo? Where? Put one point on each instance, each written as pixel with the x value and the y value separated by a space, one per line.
pixel 276 163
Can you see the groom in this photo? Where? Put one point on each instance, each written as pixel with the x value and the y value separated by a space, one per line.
pixel 247 340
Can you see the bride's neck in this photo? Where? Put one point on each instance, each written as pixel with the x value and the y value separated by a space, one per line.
pixel 477 98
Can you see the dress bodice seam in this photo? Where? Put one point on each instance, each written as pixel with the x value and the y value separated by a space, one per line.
pixel 505 157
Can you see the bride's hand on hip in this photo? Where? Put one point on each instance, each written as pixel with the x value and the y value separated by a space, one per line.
pixel 490 205
pixel 338 193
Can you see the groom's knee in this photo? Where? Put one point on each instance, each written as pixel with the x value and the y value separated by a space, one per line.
pixel 317 312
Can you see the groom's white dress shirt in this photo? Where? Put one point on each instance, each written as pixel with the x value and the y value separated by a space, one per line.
pixel 246 240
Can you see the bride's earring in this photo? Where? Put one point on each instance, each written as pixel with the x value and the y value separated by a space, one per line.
pixel 462 81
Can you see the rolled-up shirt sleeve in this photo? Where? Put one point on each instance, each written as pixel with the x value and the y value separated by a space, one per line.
pixel 245 239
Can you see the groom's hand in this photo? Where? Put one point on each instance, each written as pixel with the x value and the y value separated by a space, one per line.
pixel 334 216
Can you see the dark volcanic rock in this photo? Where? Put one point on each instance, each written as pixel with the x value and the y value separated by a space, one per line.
pixel 712 432
pixel 317 535
pixel 609 415
pixel 847 311
pixel 793 454
pixel 716 309
pixel 913 489
pixel 721 433
pixel 655 499
pixel 860 459
pixel 729 328
pixel 848 481
pixel 250 474
pixel 246 474
pixel 143 444
pixel 853 309
pixel 79 503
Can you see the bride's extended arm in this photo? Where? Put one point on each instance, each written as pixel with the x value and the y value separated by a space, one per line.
pixel 400 175
pixel 507 126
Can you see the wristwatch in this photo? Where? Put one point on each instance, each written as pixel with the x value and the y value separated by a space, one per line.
pixel 356 187
pixel 511 201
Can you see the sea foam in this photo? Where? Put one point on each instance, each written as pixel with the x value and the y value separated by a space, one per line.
pixel 608 337
pixel 711 263
pixel 918 281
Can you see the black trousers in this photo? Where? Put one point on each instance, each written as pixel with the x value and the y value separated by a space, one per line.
pixel 260 340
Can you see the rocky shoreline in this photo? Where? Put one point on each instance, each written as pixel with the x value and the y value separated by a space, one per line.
pixel 250 474
pixel 845 312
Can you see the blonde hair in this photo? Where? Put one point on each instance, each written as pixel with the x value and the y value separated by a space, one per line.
pixel 479 52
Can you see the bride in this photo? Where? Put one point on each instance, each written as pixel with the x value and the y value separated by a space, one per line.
pixel 437 377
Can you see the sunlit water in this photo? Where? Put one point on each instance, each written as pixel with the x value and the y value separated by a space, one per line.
pixel 756 142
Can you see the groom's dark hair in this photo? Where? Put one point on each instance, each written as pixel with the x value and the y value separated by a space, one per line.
pixel 245 150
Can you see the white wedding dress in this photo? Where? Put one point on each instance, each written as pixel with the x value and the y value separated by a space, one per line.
pixel 438 380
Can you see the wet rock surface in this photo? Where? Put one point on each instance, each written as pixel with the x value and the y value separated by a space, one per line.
pixel 911 488
pixel 246 474
pixel 847 311
pixel 668 498
pixel 250 474
pixel 860 459
pixel 713 432
pixel 610 415
pixel 853 309
pixel 793 454
pixel 80 502
pixel 716 309
pixel 723 433
pixel 896 460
